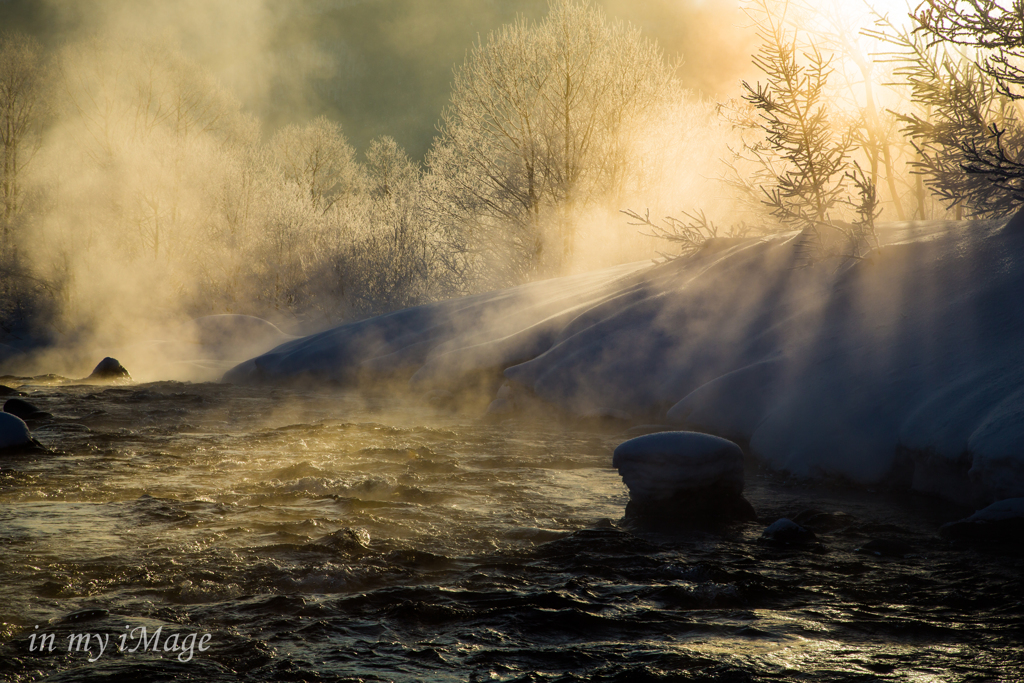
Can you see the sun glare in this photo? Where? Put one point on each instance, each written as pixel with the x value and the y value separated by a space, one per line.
pixel 897 11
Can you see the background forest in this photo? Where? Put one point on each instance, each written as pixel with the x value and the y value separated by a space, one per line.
pixel 327 163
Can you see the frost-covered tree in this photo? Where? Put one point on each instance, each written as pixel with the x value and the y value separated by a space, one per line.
pixel 798 157
pixel 317 158
pixel 802 146
pixel 21 75
pixel 964 63
pixel 22 100
pixel 151 130
pixel 393 260
pixel 538 127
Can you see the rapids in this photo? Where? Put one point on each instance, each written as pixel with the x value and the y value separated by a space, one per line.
pixel 329 536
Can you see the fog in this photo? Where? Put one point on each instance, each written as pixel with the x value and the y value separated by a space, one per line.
pixel 321 162
pixel 378 67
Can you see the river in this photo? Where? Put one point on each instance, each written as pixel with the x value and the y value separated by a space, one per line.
pixel 329 536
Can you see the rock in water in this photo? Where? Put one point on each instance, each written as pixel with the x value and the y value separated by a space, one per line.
pixel 656 466
pixel 1000 521
pixel 109 369
pixel 687 476
pixel 24 410
pixel 785 531
pixel 348 541
pixel 14 434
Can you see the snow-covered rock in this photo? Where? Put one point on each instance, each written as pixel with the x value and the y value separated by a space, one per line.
pixel 442 345
pixel 655 467
pixel 14 433
pixel 682 478
pixel 902 369
pixel 1003 519
pixel 785 531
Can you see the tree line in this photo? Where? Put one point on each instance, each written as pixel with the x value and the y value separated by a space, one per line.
pixel 133 184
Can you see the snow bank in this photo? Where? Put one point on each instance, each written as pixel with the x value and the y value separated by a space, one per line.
pixel 903 368
pixel 443 345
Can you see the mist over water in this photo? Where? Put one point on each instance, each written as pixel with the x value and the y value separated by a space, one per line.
pixel 157 186
pixel 291 161
pixel 330 536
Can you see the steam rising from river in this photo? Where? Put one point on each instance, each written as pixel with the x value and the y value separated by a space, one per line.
pixel 157 197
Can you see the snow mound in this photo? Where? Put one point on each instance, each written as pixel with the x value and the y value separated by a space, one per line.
pixel 444 345
pixel 657 466
pixel 900 369
pixel 1001 510
pixel 1004 518
pixel 14 433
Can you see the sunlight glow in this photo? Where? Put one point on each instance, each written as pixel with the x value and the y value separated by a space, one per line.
pixel 898 11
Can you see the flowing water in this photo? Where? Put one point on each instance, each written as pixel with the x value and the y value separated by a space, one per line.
pixel 276 535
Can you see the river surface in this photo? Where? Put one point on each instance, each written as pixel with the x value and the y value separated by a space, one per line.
pixel 278 535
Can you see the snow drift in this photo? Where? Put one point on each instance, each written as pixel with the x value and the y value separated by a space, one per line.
pixel 906 367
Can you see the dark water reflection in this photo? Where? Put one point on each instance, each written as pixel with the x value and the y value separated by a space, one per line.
pixel 322 536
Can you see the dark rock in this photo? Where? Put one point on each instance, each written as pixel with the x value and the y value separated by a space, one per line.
pixel 25 410
pixel 696 508
pixel 8 391
pixel 109 369
pixel 347 541
pixel 787 532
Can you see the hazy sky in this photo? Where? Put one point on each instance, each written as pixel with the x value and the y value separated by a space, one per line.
pixel 377 66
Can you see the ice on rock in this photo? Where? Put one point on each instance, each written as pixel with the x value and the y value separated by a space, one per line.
pixel 447 340
pixel 713 407
pixel 657 466
pixel 14 433
pixel 683 477
pixel 1001 510
pixel 1001 520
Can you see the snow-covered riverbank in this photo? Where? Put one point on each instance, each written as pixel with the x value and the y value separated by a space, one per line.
pixel 905 368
